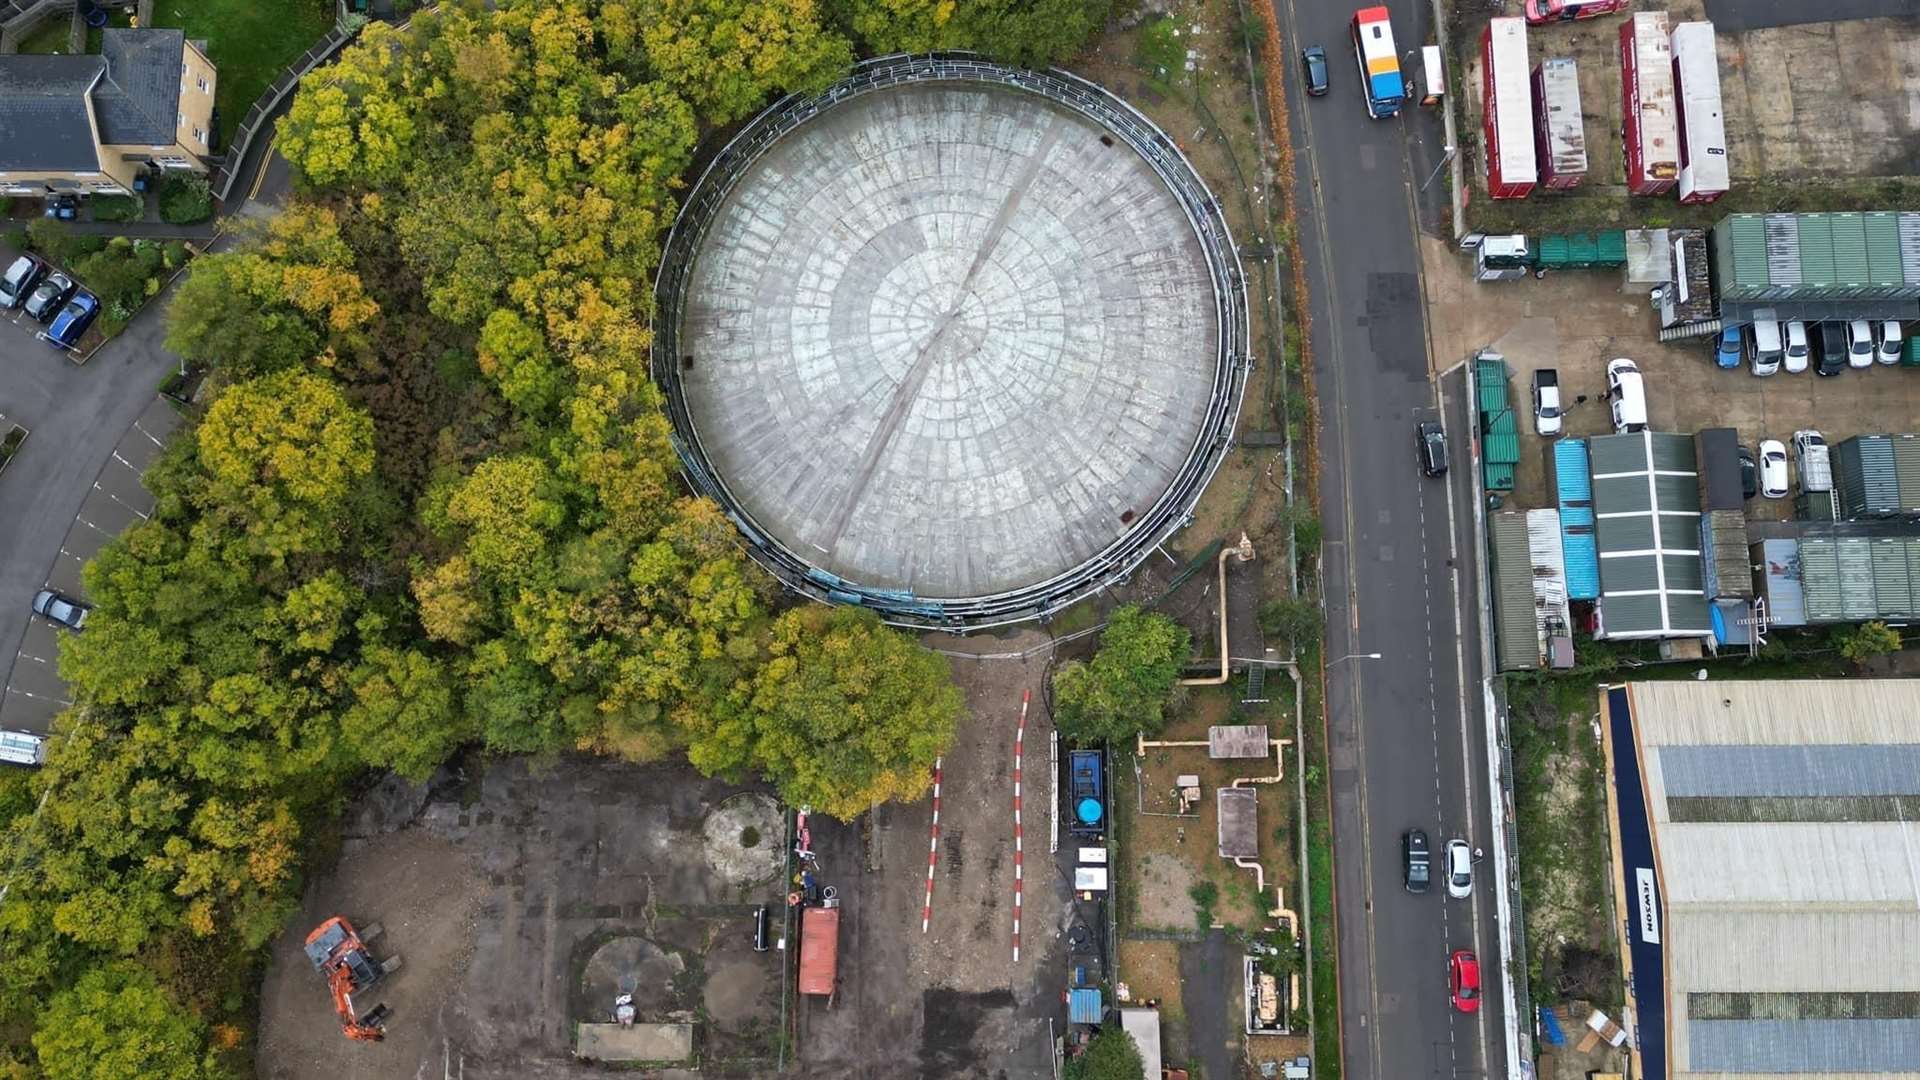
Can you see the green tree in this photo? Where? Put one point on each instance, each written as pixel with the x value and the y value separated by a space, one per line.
pixel 845 714
pixel 1866 641
pixel 1124 689
pixel 1029 33
pixel 1293 619
pixel 728 56
pixel 405 714
pixel 350 122
pixel 1111 1055
pixel 116 1022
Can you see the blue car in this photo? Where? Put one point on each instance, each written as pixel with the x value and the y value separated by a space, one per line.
pixel 1727 355
pixel 73 320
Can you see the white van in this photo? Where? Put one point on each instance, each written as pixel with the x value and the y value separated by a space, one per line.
pixel 22 748
pixel 1627 396
pixel 1768 350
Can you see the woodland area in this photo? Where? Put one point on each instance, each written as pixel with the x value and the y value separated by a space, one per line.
pixel 430 507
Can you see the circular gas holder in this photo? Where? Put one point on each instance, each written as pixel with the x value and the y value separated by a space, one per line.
pixel 745 839
pixel 957 342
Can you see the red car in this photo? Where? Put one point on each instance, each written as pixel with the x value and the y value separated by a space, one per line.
pixel 1546 11
pixel 1463 980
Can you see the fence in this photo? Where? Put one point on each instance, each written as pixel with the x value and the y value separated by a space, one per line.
pixel 1168 513
pixel 243 136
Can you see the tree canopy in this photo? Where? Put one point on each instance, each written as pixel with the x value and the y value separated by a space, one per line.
pixel 430 503
pixel 1111 1055
pixel 1125 688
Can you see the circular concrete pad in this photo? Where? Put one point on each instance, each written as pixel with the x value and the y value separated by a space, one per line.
pixel 629 965
pixel 744 838
pixel 949 338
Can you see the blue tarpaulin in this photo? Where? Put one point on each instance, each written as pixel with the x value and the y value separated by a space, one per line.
pixel 1550 1028
pixel 1083 1006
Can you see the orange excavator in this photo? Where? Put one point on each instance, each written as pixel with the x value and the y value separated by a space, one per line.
pixel 340 955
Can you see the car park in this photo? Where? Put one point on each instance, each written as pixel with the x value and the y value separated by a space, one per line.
pixel 49 295
pixel 1430 440
pixel 73 320
pixel 1889 341
pixel 1773 468
pixel 1313 68
pixel 1833 348
pixel 1796 352
pixel 60 608
pixel 1726 355
pixel 1627 395
pixel 1416 859
pixel 21 276
pixel 1859 343
pixel 1547 413
pixel 1463 980
pixel 1458 866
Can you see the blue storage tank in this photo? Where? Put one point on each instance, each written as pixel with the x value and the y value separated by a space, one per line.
pixel 1573 487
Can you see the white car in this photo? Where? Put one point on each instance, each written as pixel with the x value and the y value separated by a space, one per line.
pixel 1546 402
pixel 1890 343
pixel 1773 469
pixel 1860 344
pixel 1797 351
pixel 1626 395
pixel 1458 866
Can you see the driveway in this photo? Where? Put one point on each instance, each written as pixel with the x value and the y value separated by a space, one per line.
pixel 77 417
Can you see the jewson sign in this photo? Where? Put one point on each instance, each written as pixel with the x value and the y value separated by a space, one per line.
pixel 1649 906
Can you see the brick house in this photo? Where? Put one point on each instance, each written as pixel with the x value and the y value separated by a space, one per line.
pixel 89 124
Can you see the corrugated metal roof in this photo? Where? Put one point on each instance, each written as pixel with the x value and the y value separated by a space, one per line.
pixel 1806 1046
pixel 1779 562
pixel 1883 251
pixel 1723 554
pixel 1697 88
pixel 1855 563
pixel 1820 580
pixel 1833 769
pixel 1616 454
pixel 1501 445
pixel 1785 909
pixel 1564 134
pixel 1571 482
pixel 1490 382
pixel 1906 472
pixel 1865 476
pixel 1574 489
pixel 1618 534
pixel 1516 638
pixel 1783 249
pixel 1671 453
pixel 1910 247
pixel 1892 591
pixel 1816 254
pixel 1620 492
pixel 1850 251
pixel 1647 533
pixel 1913 568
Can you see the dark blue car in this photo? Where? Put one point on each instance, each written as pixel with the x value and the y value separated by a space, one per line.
pixel 73 319
pixel 1731 343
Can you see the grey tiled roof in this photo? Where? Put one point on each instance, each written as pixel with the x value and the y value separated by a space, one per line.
pixel 135 84
pixel 43 113
pixel 138 102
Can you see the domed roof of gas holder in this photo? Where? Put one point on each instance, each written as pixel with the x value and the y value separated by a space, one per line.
pixel 956 342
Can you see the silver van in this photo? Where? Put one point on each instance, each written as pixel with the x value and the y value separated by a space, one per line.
pixel 1768 348
pixel 22 748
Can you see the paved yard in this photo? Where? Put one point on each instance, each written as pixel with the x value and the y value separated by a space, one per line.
pixel 74 484
pixel 1576 322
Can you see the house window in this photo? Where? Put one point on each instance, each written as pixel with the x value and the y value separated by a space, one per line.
pixel 183 67
pixel 199 136
pixel 179 119
pixel 204 87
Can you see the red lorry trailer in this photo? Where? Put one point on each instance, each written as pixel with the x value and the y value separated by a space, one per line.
pixel 819 950
pixel 1649 131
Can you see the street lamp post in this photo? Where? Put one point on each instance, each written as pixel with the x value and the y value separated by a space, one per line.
pixel 1444 158
pixel 1355 656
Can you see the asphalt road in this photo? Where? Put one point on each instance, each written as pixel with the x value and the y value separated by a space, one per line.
pixel 75 416
pixel 1405 742
pixel 1729 16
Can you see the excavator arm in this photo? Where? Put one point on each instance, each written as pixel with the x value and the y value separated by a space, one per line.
pixel 372 1027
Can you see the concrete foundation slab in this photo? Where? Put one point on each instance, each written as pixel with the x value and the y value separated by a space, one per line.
pixel 639 1042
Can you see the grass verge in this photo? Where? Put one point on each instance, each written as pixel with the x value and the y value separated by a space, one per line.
pixel 1326 978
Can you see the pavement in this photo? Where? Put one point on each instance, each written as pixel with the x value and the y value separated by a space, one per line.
pixel 74 484
pixel 1405 733
pixel 1733 15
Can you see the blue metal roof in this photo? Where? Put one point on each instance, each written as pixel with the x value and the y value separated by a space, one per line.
pixel 1574 488
pixel 1083 1006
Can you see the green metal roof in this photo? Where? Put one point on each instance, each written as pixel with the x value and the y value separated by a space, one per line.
pixel 1490 379
pixel 1516 627
pixel 1502 442
pixel 1850 250
pixel 1747 236
pixel 1674 453
pixel 1816 251
pixel 1883 248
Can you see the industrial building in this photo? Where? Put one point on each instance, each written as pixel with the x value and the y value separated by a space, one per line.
pixel 1762 878
pixel 1646 508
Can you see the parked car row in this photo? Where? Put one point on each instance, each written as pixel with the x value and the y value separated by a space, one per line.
pixel 47 295
pixel 1766 346
pixel 1767 475
pixel 1463 968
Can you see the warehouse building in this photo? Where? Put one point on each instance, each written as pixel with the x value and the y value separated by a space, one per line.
pixel 1646 509
pixel 1764 875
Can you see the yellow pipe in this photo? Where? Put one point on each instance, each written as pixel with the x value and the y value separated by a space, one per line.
pixel 1244 552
